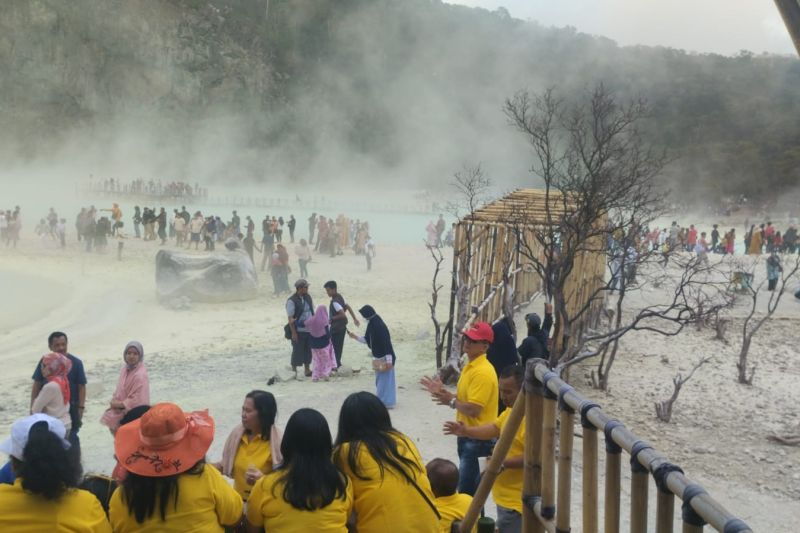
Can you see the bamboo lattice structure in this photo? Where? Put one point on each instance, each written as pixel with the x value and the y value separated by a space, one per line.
pixel 548 472
pixel 488 256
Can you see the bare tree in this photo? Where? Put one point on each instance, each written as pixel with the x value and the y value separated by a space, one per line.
pixel 472 190
pixel 601 192
pixel 441 331
pixel 664 408
pixel 755 320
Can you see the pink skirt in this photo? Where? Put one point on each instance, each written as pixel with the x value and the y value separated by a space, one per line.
pixel 323 362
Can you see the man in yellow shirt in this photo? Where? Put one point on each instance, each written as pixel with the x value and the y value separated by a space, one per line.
pixel 507 489
pixel 452 505
pixel 475 402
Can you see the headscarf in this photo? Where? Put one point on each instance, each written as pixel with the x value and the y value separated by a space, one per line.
pixel 138 346
pixel 317 324
pixel 377 335
pixel 59 366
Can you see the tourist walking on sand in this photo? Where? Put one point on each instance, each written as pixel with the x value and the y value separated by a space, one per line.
pixel 300 307
pixel 730 241
pixel 179 224
pixel 57 342
pixel 308 492
pixel 253 448
pixel 303 253
pixel 195 228
pixel 312 225
pixel 338 310
pixel 432 236
pixel 507 488
pixel 161 220
pixel 756 241
pixel 53 398
pixel 291 224
pixel 390 486
pixel 475 402
pixel 323 358
pixel 774 270
pixel 133 387
pixel 169 486
pixel 137 221
pixel 44 496
pixel 379 340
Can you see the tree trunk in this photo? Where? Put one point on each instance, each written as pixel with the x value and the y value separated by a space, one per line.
pixel 742 364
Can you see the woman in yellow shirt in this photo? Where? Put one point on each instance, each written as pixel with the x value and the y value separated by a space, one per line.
pixel 44 496
pixel 253 447
pixel 169 487
pixel 307 492
pixel 391 489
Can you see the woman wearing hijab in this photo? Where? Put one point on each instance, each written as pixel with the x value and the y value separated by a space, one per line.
pixel 53 399
pixel 379 340
pixel 133 387
pixel 169 487
pixel 322 355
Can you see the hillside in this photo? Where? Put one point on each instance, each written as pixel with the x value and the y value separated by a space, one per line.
pixel 388 89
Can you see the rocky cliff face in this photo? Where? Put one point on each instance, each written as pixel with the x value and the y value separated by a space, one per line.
pixel 69 63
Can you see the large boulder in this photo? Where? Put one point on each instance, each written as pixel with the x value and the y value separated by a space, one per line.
pixel 216 277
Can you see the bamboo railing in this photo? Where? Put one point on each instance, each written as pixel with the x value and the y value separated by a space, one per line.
pixel 547 502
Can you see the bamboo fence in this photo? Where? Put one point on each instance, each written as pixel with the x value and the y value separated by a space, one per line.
pixel 547 488
pixel 488 248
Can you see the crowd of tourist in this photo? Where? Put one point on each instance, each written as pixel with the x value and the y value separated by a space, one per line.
pixel 370 478
pixel 172 190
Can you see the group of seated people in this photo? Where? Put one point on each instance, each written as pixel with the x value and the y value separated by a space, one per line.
pixel 370 479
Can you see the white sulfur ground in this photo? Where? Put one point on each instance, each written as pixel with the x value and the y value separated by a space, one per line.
pixel 211 355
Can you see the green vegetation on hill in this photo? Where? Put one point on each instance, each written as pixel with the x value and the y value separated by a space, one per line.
pixel 412 87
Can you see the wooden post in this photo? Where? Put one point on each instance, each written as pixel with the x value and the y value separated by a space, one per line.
pixel 549 455
pixel 613 481
pixel 590 474
pixel 691 528
pixel 665 511
pixel 515 418
pixel 565 445
pixel 532 469
pixel 639 487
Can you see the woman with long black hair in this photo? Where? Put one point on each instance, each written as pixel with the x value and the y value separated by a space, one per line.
pixel 307 492
pixel 253 447
pixel 391 488
pixel 44 496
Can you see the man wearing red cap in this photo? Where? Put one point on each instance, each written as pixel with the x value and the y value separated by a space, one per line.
pixel 475 402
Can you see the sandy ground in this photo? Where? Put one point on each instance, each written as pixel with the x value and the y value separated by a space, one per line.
pixel 211 355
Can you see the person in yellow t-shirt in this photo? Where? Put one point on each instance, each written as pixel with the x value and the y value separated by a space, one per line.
pixel 390 488
pixel 253 447
pixel 475 402
pixel 169 487
pixel 307 492
pixel 44 496
pixel 507 489
pixel 452 505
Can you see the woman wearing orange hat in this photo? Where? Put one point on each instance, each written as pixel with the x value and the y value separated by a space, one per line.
pixel 53 399
pixel 169 486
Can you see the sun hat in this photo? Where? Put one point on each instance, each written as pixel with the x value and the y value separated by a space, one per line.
pixel 15 444
pixel 165 441
pixel 480 331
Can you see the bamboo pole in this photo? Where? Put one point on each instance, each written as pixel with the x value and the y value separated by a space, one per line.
pixel 532 469
pixel 612 495
pixel 639 488
pixel 590 474
pixel 549 456
pixel 665 511
pixel 565 445
pixel 515 418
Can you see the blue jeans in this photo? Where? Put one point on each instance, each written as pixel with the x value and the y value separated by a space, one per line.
pixel 508 520
pixel 468 469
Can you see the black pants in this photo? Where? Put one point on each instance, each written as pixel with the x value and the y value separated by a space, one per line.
pixel 337 339
pixel 772 284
